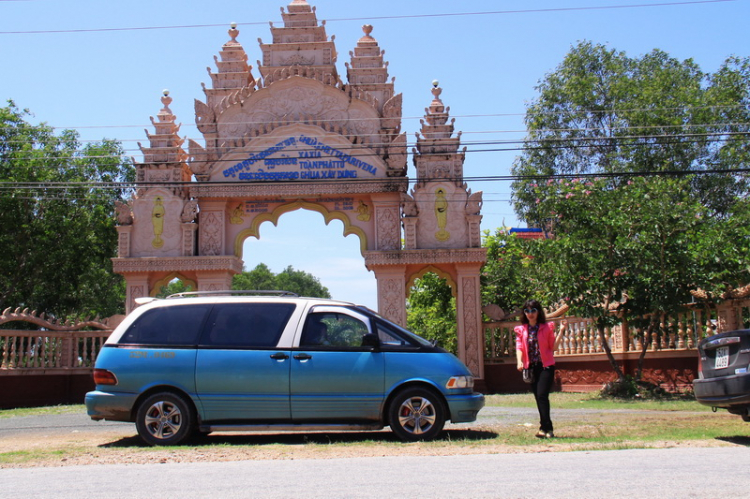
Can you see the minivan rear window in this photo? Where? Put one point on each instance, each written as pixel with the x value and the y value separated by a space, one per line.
pixel 177 325
pixel 249 325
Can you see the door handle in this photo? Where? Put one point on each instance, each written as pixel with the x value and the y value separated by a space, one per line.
pixel 303 356
pixel 279 356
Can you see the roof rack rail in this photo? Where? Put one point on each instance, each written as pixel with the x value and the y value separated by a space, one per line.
pixel 231 292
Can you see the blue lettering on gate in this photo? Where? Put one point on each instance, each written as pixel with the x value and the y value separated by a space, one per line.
pixel 318 161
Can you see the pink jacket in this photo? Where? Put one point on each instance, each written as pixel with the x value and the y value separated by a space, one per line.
pixel 546 338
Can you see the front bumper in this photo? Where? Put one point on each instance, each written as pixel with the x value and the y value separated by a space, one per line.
pixel 465 407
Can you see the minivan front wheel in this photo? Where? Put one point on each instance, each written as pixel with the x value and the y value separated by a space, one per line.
pixel 416 414
pixel 164 419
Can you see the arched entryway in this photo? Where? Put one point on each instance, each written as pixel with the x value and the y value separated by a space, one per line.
pixel 298 137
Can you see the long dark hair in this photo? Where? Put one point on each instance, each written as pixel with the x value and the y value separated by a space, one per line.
pixel 540 317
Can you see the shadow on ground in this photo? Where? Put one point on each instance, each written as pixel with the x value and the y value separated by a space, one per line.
pixel 737 440
pixel 260 439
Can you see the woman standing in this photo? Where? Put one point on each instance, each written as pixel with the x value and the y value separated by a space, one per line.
pixel 535 350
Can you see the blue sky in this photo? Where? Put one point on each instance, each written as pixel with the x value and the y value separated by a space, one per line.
pixel 488 55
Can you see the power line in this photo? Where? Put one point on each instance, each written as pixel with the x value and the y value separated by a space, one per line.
pixel 616 111
pixel 512 145
pixel 9 185
pixel 378 18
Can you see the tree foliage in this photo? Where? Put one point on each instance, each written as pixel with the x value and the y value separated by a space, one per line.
pixel 289 279
pixel 512 274
pixel 431 311
pixel 631 165
pixel 58 229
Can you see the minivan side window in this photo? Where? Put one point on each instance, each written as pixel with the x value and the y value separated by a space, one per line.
pixel 247 325
pixel 177 325
pixel 328 329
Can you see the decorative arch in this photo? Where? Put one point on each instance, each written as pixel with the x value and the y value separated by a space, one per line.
pixel 434 270
pixel 295 136
pixel 166 280
pixel 273 217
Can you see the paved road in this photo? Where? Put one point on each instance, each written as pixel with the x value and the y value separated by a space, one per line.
pixel 80 423
pixel 662 473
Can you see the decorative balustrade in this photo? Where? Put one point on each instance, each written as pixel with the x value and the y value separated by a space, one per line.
pixel 56 347
pixel 581 337
pixel 49 350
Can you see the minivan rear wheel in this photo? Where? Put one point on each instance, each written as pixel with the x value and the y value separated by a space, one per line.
pixel 416 414
pixel 165 419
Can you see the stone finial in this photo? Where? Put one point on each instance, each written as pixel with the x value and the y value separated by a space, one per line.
pixel 367 28
pixel 165 115
pixel 166 100
pixel 233 32
pixel 436 91
pixel 298 6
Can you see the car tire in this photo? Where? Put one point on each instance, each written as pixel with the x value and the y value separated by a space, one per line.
pixel 165 419
pixel 416 414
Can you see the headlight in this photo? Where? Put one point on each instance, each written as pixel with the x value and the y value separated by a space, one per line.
pixel 460 382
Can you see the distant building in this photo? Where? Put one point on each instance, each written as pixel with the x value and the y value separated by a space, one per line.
pixel 528 233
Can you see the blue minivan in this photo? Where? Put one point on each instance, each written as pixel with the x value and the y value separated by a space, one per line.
pixel 203 362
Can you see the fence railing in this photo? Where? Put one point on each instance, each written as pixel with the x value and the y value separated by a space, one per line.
pixel 50 349
pixel 679 333
pixel 53 348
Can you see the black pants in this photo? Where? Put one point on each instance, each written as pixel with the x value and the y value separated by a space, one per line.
pixel 544 377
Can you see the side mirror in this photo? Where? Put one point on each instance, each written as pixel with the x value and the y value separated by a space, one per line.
pixel 371 341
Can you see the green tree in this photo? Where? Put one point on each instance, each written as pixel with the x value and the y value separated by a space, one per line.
pixel 58 227
pixel 431 311
pixel 173 287
pixel 295 281
pixel 512 275
pixel 620 165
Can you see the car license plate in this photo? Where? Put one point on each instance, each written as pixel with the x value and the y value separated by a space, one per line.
pixel 722 358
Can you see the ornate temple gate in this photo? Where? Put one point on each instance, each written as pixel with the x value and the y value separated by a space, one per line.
pixel 300 138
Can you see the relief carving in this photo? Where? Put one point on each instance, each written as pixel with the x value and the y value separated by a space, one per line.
pixel 236 216
pixel 441 214
pixel 157 221
pixel 392 294
pixel 388 229
pixel 471 333
pixel 212 234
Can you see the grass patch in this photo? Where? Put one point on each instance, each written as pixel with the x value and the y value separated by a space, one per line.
pixel 594 424
pixel 43 411
pixel 592 400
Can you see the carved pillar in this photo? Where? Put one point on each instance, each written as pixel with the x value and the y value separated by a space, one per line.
pixel 727 317
pixel 124 233
pixel 475 232
pixel 136 287
pixel 621 338
pixel 188 238
pixel 392 293
pixel 410 232
pixel 212 235
pixel 469 319
pixel 387 226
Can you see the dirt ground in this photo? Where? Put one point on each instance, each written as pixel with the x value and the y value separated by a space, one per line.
pixel 122 447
